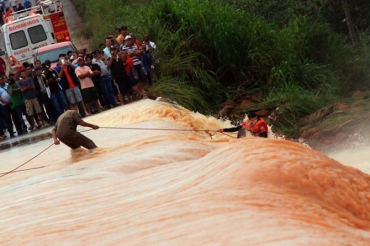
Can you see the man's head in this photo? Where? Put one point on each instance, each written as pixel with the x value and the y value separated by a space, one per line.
pixel 5 78
pixel 128 40
pixel 29 70
pixel 62 55
pixel 252 115
pixel 108 42
pixel 25 64
pixel 146 37
pixel 113 51
pixel 38 64
pixel 124 31
pixel 46 65
pixel 117 31
pixel 23 74
pixel 81 61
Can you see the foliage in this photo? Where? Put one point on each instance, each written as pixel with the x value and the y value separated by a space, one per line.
pixel 286 52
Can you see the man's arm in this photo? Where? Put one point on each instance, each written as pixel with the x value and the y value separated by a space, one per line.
pixel 110 62
pixel 83 123
pixel 5 101
pixel 54 134
pixel 80 75
pixel 24 88
pixel 232 129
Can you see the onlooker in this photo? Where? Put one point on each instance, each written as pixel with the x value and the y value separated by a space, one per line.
pixel 149 45
pixel 18 106
pixel 13 3
pixel 108 46
pixel 67 74
pixel 43 96
pixel 134 40
pixel 106 80
pixel 138 76
pixel 51 80
pixel 147 61
pixel 5 110
pixel 97 80
pixel 121 37
pixel 20 7
pixel 117 31
pixel 117 67
pixel 129 67
pixel 3 6
pixel 84 73
pixel 27 88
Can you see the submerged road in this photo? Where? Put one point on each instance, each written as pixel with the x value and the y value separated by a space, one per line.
pixel 75 24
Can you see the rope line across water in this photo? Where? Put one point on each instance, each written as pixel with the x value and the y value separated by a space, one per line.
pixel 209 132
pixel 2 175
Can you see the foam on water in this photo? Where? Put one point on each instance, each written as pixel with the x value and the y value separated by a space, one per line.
pixel 161 187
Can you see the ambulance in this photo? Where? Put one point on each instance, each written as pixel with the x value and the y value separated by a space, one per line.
pixel 27 30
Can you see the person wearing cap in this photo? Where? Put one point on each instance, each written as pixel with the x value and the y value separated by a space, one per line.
pixel 138 75
pixel 51 81
pixel 255 124
pixel 65 131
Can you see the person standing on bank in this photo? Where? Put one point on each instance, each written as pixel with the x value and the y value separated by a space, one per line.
pixel 256 125
pixel 66 131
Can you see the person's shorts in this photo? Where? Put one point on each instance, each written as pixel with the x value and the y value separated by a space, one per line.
pixel 74 95
pixel 138 70
pixel 32 104
pixel 132 80
pixel 89 94
pixel 123 85
pixel 76 140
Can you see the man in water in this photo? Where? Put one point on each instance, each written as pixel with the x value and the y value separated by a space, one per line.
pixel 256 125
pixel 65 130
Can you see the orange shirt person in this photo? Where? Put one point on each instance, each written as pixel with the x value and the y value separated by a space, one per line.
pixel 256 125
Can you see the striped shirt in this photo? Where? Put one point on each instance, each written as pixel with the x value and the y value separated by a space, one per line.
pixel 131 49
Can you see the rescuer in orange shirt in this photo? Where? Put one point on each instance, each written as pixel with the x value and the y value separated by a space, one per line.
pixel 256 125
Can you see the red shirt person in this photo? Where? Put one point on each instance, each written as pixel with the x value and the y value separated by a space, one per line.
pixel 256 125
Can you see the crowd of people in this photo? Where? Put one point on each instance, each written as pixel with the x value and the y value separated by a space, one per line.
pixel 116 73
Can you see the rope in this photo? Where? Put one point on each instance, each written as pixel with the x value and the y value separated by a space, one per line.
pixel 209 132
pixel 161 129
pixel 13 170
pixel 32 168
pixel 228 135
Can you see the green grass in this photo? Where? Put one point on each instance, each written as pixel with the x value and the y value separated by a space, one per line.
pixel 209 53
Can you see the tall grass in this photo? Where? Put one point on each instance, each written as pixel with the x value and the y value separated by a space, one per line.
pixel 210 52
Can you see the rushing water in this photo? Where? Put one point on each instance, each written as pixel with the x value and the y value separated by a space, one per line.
pixel 164 187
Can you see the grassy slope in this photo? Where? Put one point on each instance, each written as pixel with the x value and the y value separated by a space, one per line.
pixel 289 69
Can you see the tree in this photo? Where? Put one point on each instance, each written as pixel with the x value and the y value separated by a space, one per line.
pixel 351 30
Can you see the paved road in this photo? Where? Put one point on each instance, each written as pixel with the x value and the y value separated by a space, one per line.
pixel 75 24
